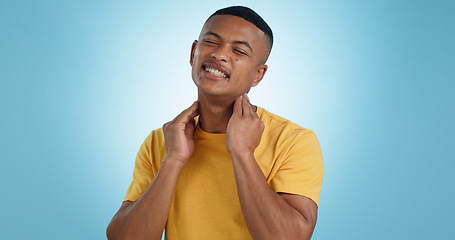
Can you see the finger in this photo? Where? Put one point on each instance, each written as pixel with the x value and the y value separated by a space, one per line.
pixel 251 107
pixel 190 127
pixel 165 126
pixel 191 123
pixel 238 106
pixel 253 111
pixel 245 106
pixel 175 119
pixel 196 111
pixel 193 112
pixel 189 113
pixel 182 113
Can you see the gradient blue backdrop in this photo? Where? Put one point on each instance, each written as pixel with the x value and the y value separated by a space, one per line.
pixel 84 82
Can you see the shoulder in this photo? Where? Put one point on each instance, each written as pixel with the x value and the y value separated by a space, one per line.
pixel 276 125
pixel 153 145
pixel 155 137
pixel 286 137
pixel 157 134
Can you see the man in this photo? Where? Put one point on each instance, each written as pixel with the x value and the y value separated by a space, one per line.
pixel 224 168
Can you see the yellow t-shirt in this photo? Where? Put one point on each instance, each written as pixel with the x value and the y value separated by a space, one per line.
pixel 205 203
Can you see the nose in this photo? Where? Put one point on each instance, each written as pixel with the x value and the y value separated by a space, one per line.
pixel 221 53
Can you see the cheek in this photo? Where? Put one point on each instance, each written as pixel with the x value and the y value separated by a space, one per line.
pixel 194 69
pixel 195 58
pixel 195 64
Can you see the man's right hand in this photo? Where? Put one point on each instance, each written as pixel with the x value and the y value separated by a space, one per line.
pixel 178 135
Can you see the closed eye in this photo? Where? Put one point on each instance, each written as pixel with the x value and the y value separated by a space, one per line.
pixel 240 51
pixel 210 42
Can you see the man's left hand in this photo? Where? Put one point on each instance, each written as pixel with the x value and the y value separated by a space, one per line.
pixel 244 129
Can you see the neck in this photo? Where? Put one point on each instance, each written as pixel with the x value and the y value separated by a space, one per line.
pixel 214 116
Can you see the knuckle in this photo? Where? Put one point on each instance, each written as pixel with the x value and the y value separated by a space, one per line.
pixel 167 126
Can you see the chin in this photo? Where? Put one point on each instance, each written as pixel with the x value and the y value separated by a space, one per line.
pixel 211 88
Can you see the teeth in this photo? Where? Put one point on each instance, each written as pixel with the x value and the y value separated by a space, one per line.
pixel 215 72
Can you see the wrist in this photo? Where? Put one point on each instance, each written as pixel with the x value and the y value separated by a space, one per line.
pixel 243 154
pixel 174 162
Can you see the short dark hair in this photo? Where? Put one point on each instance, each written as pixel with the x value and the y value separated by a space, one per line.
pixel 249 15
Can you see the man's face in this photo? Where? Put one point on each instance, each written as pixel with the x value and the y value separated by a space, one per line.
pixel 228 59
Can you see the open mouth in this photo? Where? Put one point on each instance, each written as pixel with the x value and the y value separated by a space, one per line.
pixel 216 72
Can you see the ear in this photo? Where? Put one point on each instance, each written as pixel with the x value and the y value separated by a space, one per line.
pixel 259 75
pixel 193 49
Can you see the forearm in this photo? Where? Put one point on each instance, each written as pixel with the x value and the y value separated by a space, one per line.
pixel 147 216
pixel 266 213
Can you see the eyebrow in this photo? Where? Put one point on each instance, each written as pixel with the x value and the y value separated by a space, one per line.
pixel 235 42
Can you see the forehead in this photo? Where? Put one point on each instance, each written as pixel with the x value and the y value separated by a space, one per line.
pixel 233 28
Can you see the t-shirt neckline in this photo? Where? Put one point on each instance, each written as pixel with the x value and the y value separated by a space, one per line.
pixel 200 133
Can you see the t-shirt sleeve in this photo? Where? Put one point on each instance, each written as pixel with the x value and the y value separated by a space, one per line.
pixel 144 171
pixel 302 170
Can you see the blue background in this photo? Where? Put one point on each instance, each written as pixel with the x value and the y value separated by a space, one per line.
pixel 84 82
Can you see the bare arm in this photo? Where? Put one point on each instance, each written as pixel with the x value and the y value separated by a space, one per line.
pixel 268 215
pixel 146 217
